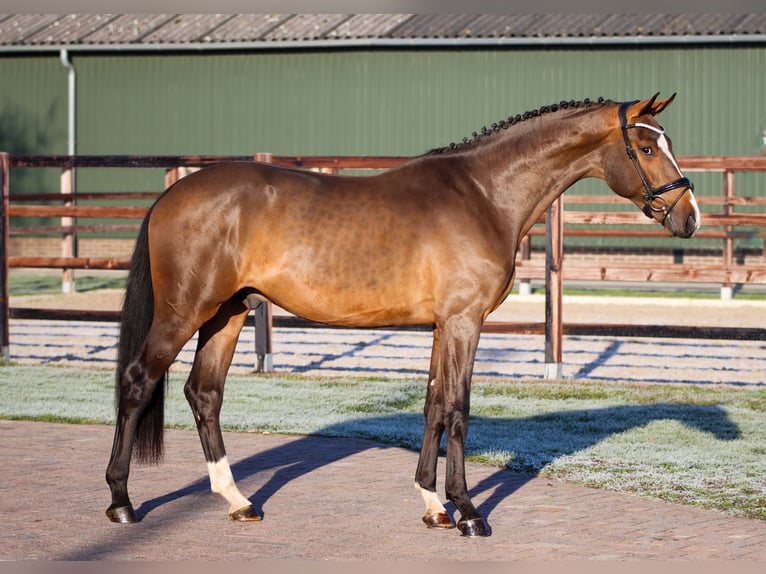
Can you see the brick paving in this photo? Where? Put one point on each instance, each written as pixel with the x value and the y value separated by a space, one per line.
pixel 323 499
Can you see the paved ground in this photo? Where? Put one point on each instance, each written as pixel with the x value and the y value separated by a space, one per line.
pixel 324 499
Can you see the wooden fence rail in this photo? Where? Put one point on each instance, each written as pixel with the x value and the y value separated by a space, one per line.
pixel 726 225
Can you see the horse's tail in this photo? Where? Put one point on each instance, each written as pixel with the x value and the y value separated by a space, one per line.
pixel 137 314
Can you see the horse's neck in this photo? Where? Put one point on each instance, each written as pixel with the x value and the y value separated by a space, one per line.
pixel 525 172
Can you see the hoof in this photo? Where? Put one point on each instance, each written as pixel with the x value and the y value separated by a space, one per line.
pixel 122 514
pixel 439 520
pixel 246 514
pixel 474 527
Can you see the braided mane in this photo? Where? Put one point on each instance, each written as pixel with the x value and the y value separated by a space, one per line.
pixel 512 120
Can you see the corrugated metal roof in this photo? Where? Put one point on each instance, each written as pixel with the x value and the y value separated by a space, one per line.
pixel 127 28
pixel 72 30
pixel 565 25
pixel 502 25
pixel 368 25
pixel 187 28
pixel 15 27
pixel 247 25
pixel 434 26
pixel 306 27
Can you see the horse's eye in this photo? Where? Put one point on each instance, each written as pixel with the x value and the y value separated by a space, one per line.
pixel 647 150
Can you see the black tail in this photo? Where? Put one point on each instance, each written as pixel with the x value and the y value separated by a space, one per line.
pixel 137 313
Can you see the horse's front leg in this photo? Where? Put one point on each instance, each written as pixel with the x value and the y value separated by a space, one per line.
pixel 204 391
pixel 460 338
pixel 447 408
pixel 471 523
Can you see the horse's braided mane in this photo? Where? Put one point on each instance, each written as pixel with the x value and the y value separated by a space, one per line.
pixel 512 120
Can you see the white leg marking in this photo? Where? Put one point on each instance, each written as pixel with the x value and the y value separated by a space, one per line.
pixel 222 482
pixel 433 504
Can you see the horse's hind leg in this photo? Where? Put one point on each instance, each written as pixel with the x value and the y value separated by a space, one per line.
pixel 204 391
pixel 137 388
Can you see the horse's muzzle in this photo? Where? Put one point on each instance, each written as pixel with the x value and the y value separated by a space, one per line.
pixel 684 228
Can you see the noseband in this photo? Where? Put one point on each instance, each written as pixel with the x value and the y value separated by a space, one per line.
pixel 652 193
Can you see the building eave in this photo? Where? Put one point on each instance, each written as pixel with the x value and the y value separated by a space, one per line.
pixel 395 43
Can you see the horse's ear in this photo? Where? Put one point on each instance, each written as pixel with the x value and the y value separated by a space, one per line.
pixel 652 106
pixel 662 104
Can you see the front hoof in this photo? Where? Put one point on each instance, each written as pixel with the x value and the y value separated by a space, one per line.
pixel 246 514
pixel 474 527
pixel 438 520
pixel 122 514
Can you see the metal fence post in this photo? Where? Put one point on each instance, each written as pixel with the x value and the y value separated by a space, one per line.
pixel 4 292
pixel 263 351
pixel 554 255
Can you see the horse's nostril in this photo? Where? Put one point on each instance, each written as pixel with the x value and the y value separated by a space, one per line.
pixel 691 225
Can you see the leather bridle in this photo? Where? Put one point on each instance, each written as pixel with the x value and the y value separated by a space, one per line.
pixel 652 193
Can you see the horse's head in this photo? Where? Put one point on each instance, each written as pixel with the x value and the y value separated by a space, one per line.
pixel 642 168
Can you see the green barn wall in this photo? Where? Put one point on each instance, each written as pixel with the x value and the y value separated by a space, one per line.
pixel 33 115
pixel 400 102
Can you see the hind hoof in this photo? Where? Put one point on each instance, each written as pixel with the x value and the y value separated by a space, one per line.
pixel 474 527
pixel 439 520
pixel 122 514
pixel 246 514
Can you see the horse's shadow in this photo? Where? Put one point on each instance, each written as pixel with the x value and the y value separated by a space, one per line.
pixel 300 457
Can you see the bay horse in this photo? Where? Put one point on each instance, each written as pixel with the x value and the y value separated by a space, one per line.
pixel 432 241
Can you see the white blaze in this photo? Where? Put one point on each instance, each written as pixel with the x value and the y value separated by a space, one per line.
pixel 662 143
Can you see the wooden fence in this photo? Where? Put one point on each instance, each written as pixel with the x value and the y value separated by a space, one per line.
pixel 727 224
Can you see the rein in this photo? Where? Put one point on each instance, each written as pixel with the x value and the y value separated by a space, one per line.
pixel 652 193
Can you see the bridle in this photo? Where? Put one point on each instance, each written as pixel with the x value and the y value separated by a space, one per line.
pixel 652 193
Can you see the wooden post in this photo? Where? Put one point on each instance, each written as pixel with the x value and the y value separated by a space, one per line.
pixel 728 240
pixel 554 255
pixel 4 292
pixel 263 319
pixel 525 253
pixel 172 175
pixel 68 240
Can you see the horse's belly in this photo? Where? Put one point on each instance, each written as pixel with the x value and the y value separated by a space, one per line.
pixel 352 307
